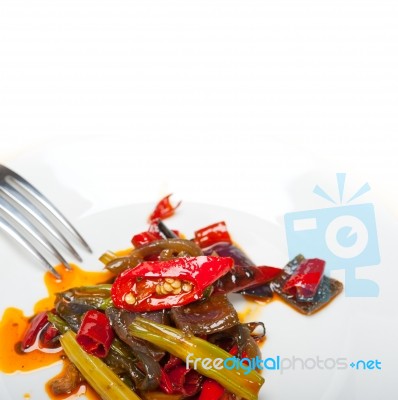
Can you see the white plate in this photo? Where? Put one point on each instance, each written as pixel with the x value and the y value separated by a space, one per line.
pixel 328 334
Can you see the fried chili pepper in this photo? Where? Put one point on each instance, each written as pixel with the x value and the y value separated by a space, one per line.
pixel 176 378
pixel 240 278
pixel 185 380
pixel 156 231
pixel 211 390
pixel 143 238
pixel 305 281
pixel 163 209
pixel 48 338
pixel 37 323
pixel 95 334
pixel 155 285
pixel 328 289
pixel 212 234
pixel 165 383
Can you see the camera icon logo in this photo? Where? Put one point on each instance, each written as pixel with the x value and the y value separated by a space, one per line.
pixel 345 236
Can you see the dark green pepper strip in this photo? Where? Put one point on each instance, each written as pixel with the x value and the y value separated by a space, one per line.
pixel 58 322
pixel 98 296
pixel 180 345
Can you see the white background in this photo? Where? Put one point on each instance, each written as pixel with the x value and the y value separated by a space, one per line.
pixel 244 104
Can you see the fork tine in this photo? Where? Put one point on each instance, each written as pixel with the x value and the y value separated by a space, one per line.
pixel 49 206
pixel 12 212
pixel 23 242
pixel 29 207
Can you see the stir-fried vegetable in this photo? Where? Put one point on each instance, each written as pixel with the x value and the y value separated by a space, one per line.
pixel 306 279
pixel 215 314
pixel 98 296
pixel 69 379
pixel 327 290
pixel 151 327
pixel 242 277
pixel 179 344
pixel 95 334
pixel 125 357
pixel 178 247
pixel 48 338
pixel 163 209
pixel 163 284
pixel 245 275
pixel 103 380
pixel 36 325
pixel 211 390
pixel 140 239
pixel 212 234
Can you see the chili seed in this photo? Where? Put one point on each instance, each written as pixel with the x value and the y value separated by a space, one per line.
pixel 186 287
pixel 130 298
pixel 176 284
pixel 163 290
pixel 168 287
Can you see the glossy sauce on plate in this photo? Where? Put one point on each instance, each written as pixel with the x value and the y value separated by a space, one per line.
pixel 14 323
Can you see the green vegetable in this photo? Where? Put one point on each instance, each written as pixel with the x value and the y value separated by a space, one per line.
pixel 58 322
pixel 107 257
pixel 180 345
pixel 102 379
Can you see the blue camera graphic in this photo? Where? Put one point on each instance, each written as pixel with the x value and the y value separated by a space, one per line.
pixel 345 236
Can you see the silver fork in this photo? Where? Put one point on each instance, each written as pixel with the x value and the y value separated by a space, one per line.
pixel 19 200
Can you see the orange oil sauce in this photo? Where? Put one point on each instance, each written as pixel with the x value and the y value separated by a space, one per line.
pixel 14 324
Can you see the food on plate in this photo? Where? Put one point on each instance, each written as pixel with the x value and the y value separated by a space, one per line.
pixel 141 329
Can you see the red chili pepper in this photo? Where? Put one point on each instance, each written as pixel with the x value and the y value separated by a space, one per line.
pixel 240 278
pixel 152 234
pixel 214 233
pixel 48 335
pixel 95 334
pixel 211 390
pixel 143 238
pixel 176 378
pixel 306 279
pixel 185 380
pixel 234 351
pixel 172 362
pixel 163 209
pixel 165 383
pixel 37 323
pixel 154 285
